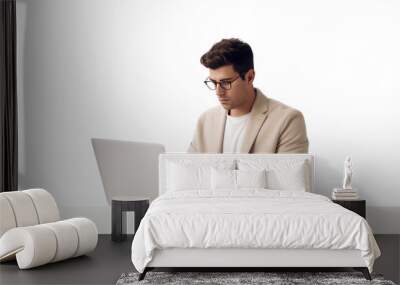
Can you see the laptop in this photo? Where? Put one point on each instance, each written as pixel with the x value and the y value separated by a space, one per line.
pixel 128 168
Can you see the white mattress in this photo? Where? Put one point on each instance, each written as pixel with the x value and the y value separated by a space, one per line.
pixel 250 218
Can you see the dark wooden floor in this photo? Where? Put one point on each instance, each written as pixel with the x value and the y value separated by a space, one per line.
pixel 110 260
pixel 102 266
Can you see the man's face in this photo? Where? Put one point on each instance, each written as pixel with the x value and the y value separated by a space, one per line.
pixel 237 94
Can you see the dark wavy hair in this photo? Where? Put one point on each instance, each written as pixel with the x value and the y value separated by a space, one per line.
pixel 229 52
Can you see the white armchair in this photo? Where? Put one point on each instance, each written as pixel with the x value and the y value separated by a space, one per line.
pixel 32 233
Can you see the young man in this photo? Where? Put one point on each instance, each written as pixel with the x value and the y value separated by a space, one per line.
pixel 246 121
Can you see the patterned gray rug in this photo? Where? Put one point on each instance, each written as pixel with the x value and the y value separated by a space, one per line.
pixel 269 278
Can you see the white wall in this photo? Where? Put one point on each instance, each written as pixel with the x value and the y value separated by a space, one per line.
pixel 130 70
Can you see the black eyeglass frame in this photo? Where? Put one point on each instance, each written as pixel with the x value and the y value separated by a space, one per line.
pixel 228 87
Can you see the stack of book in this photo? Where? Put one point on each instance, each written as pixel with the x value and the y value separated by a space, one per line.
pixel 344 194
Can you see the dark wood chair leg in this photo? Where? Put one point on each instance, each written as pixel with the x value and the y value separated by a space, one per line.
pixel 364 271
pixel 143 274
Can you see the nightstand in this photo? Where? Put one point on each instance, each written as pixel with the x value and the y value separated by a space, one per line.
pixel 121 205
pixel 357 206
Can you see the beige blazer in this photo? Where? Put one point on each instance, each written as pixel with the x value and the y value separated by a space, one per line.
pixel 273 127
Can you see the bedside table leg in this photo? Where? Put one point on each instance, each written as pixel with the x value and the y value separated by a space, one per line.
pixel 118 222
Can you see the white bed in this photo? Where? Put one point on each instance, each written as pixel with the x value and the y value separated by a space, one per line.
pixel 201 220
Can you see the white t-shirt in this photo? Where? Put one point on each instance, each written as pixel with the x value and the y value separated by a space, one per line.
pixel 234 133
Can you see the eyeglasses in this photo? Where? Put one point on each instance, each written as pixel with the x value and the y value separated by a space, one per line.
pixel 224 84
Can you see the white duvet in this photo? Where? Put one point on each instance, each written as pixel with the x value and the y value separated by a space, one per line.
pixel 250 218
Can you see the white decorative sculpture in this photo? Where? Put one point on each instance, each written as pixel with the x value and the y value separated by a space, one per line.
pixel 348 173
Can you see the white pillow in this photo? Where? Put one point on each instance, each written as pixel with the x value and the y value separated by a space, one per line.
pixel 251 178
pixel 187 177
pixel 187 174
pixel 281 174
pixel 237 179
pixel 293 178
pixel 223 179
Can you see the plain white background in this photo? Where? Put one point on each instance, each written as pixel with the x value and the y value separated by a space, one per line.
pixel 130 70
